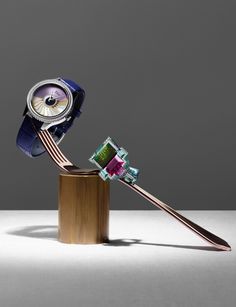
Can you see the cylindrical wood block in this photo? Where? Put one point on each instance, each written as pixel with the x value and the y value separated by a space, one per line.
pixel 83 208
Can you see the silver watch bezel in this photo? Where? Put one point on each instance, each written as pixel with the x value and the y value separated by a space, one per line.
pixel 51 119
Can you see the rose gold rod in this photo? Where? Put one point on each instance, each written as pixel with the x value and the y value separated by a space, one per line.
pixel 57 156
pixel 65 165
pixel 54 152
pixel 203 233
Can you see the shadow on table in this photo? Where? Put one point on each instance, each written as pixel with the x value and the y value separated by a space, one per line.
pixel 50 232
pixel 36 231
pixel 129 242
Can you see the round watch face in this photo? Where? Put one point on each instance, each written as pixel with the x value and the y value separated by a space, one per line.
pixel 49 100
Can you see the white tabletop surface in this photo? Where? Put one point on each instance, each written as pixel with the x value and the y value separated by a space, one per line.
pixel 152 260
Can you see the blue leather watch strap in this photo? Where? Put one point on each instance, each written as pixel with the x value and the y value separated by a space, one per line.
pixel 27 139
pixel 74 87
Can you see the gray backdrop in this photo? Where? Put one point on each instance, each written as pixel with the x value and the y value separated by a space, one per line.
pixel 160 80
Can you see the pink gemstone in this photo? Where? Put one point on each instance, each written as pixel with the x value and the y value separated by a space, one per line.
pixel 115 166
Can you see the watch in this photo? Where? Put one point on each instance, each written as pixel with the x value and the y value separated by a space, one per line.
pixel 52 105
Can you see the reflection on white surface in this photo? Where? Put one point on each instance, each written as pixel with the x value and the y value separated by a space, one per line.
pixel 148 257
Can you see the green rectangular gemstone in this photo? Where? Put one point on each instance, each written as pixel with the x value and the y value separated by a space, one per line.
pixel 105 154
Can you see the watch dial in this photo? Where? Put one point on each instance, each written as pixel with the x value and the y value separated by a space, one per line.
pixel 49 100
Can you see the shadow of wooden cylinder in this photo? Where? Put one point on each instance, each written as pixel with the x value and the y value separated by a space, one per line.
pixel 83 208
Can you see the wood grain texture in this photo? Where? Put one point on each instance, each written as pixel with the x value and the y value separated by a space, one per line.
pixel 83 208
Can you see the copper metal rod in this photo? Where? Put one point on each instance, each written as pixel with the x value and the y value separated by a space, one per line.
pixel 203 233
pixel 55 153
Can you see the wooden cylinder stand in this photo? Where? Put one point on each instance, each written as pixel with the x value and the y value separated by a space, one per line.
pixel 83 208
